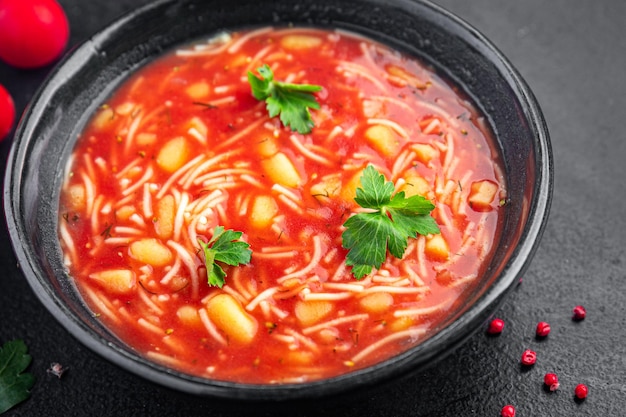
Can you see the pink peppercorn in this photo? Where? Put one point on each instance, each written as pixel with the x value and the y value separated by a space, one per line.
pixel 579 313
pixel 543 329
pixel 529 357
pixel 495 326
pixel 552 381
pixel 508 411
pixel 581 391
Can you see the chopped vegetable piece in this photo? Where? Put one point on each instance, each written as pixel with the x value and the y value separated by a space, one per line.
pixel 291 101
pixel 151 251
pixel 436 248
pixel 231 318
pixel 225 247
pixel 393 220
pixel 281 170
pixel 174 154
pixel 263 211
pixel 117 281
pixel 482 195
pixel 311 312
pixel 377 302
pixel 14 383
pixel 165 217
pixel 296 42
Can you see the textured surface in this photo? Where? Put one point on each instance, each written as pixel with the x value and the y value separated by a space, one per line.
pixel 573 57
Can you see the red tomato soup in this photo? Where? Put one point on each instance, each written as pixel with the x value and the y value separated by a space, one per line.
pixel 183 146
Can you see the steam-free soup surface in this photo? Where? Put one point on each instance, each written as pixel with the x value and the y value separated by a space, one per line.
pixel 183 146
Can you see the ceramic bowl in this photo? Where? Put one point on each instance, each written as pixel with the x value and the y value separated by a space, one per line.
pixel 61 107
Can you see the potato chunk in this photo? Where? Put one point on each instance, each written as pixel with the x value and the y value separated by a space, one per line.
pixel 174 154
pixel 311 312
pixel 383 139
pixel 328 187
pixel 77 197
pixel 151 252
pixel 145 138
pixel 264 209
pixel 198 91
pixel 281 170
pixel 299 357
pixel 424 152
pixel 188 316
pixel 437 248
pixel 401 77
pixel 267 147
pixel 348 191
pixel 377 302
pixel 416 185
pixel 126 108
pixel 300 42
pixel 103 118
pixel 116 281
pixel 230 317
pixel 165 214
pixel 123 213
pixel 401 323
pixel 482 194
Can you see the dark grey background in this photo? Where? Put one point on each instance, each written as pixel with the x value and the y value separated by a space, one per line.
pixel 572 53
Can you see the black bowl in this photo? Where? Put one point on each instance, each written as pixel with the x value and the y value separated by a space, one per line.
pixel 61 107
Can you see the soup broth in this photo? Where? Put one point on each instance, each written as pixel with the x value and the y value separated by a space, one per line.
pixel 182 147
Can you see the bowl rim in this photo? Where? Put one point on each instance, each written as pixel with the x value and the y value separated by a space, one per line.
pixel 452 334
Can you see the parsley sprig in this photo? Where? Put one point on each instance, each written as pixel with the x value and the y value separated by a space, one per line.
pixel 393 219
pixel 291 101
pixel 14 383
pixel 225 247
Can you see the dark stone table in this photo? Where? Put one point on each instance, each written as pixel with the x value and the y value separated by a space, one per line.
pixel 573 55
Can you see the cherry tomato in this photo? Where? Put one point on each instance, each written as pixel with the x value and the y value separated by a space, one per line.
pixel 33 33
pixel 7 112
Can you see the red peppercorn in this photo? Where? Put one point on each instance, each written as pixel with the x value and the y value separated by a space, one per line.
pixel 579 313
pixel 508 411
pixel 529 357
pixel 581 391
pixel 552 381
pixel 495 326
pixel 543 329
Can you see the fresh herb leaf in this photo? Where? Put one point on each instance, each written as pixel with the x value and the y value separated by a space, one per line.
pixel 291 101
pixel 224 247
pixel 14 383
pixel 394 219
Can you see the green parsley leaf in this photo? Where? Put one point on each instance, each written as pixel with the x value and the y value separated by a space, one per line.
pixel 224 247
pixel 394 219
pixel 14 384
pixel 291 101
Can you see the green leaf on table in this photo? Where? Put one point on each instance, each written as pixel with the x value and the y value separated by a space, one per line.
pixel 14 382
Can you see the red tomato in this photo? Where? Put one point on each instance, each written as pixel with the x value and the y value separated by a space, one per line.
pixel 33 33
pixel 7 112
